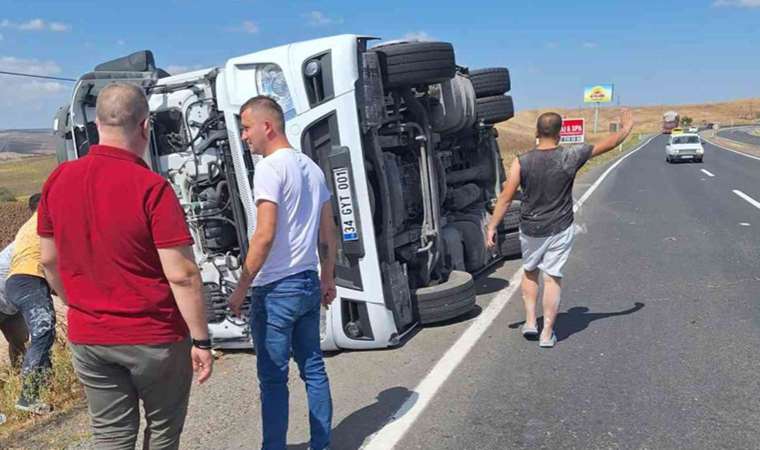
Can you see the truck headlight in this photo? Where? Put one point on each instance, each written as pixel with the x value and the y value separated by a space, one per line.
pixel 270 81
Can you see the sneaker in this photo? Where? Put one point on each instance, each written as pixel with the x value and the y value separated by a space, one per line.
pixel 34 407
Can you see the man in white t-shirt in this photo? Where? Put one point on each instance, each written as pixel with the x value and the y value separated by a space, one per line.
pixel 293 215
pixel 12 323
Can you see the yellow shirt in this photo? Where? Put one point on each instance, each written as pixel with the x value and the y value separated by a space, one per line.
pixel 26 251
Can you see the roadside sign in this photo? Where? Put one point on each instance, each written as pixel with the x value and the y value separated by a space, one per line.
pixel 600 93
pixel 573 132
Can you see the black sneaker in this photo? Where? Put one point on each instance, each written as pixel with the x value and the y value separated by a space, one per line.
pixel 34 407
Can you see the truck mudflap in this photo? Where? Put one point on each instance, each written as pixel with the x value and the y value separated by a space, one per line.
pixel 398 297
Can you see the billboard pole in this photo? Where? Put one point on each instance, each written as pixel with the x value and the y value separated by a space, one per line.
pixel 596 115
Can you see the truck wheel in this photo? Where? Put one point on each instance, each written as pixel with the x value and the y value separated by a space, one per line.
pixel 511 245
pixel 495 109
pixel 447 300
pixel 511 220
pixel 416 63
pixel 489 82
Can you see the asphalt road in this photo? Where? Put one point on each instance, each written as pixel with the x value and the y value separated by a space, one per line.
pixel 658 337
pixel 741 135
pixel 658 331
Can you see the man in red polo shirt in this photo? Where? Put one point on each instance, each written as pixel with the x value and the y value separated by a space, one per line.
pixel 116 248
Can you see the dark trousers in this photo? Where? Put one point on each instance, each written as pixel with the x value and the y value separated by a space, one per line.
pixel 15 332
pixel 31 296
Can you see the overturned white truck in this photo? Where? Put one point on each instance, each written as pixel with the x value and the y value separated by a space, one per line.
pixel 405 138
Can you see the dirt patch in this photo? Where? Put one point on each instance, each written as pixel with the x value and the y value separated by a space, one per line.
pixel 12 216
pixel 63 429
pixel 28 142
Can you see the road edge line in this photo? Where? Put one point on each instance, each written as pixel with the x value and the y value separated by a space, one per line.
pixel 730 150
pixel 746 198
pixel 387 437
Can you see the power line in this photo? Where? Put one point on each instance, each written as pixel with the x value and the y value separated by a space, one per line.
pixel 29 75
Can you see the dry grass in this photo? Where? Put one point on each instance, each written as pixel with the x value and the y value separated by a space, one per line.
pixel 25 176
pixel 63 391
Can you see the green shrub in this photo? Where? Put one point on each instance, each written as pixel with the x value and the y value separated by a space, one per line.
pixel 6 195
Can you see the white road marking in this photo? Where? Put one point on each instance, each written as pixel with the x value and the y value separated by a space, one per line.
pixel 743 224
pixel 746 197
pixel 707 173
pixel 400 422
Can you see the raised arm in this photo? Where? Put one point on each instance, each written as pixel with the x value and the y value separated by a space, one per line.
pixel 615 139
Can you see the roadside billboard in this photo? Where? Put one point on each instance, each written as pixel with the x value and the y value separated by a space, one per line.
pixel 599 93
pixel 573 131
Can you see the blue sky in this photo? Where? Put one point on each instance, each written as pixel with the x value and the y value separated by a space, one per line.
pixel 655 52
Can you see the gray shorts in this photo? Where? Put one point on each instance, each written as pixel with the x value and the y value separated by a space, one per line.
pixel 547 253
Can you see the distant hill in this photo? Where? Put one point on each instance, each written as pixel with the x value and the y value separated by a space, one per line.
pixel 20 143
pixel 518 134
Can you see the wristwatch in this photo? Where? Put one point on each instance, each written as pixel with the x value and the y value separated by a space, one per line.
pixel 203 344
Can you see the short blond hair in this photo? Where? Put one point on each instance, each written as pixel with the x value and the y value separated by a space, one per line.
pixel 269 106
pixel 121 105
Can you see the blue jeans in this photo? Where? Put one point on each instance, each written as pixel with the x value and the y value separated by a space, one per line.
pixel 285 317
pixel 31 296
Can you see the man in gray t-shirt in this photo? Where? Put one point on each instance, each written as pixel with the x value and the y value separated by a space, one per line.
pixel 546 175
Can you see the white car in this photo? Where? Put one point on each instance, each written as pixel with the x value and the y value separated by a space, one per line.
pixel 693 130
pixel 686 146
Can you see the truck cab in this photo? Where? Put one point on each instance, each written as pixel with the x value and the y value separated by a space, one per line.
pixel 404 136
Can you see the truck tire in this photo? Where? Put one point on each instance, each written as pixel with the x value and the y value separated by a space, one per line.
pixel 511 220
pixel 511 245
pixel 490 82
pixel 495 109
pixel 447 300
pixel 416 63
pixel 456 110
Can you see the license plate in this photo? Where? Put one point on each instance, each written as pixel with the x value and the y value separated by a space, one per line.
pixel 345 204
pixel 687 156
